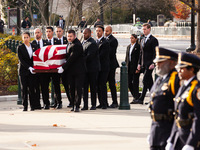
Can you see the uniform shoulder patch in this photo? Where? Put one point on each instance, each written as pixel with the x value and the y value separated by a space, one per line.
pixel 198 94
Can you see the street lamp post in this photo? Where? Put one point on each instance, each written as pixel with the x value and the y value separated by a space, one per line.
pixel 18 18
pixel 192 45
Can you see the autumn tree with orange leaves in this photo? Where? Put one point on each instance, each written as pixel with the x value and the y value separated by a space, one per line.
pixel 182 11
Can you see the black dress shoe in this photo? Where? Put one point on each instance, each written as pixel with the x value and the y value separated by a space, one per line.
pixel 25 109
pixel 113 106
pixel 72 109
pixel 138 101
pixel 99 106
pixel 104 107
pixel 32 109
pixel 84 108
pixel 53 106
pixel 69 106
pixel 93 108
pixel 76 110
pixel 46 107
pixel 59 106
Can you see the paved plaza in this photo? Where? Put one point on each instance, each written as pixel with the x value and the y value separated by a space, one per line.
pixel 111 129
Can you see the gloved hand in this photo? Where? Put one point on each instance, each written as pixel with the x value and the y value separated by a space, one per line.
pixel 31 70
pixel 169 146
pixel 60 70
pixel 188 147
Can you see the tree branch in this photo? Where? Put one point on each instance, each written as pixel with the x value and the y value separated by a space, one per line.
pixel 190 5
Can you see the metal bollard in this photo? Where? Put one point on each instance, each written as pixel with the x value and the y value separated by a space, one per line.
pixel 19 100
pixel 124 102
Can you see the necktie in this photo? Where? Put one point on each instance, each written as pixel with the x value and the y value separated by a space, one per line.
pixel 98 42
pixel 38 44
pixel 50 42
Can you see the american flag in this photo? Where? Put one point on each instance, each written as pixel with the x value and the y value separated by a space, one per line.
pixel 49 57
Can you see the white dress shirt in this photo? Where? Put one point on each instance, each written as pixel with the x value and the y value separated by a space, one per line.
pixel 41 43
pixel 131 49
pixel 29 50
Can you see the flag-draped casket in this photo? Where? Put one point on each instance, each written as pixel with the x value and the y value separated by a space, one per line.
pixel 49 58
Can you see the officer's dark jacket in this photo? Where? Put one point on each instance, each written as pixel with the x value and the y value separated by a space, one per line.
pixel 162 103
pixel 187 105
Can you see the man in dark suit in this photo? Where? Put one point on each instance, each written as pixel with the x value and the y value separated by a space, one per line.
pixel 91 54
pixel 39 43
pixel 146 65
pixel 132 58
pixel 104 51
pixel 75 68
pixel 26 23
pixel 61 22
pixel 113 65
pixel 63 40
pixel 46 77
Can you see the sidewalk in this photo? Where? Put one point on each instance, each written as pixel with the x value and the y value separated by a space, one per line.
pixel 111 129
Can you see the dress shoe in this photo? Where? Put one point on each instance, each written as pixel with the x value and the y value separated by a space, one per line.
pixel 72 109
pixel 32 109
pixel 93 108
pixel 59 106
pixel 69 106
pixel 76 110
pixel 113 106
pixel 84 108
pixel 46 107
pixel 104 107
pixel 99 106
pixel 138 101
pixel 25 109
pixel 54 106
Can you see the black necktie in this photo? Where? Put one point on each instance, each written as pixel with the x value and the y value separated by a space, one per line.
pixel 50 42
pixel 38 44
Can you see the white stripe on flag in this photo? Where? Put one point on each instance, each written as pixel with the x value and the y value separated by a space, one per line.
pixel 51 51
pixel 41 54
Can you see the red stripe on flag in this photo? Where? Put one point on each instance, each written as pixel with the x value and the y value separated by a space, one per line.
pixel 46 53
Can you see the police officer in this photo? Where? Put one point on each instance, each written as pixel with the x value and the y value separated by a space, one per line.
pixel 185 134
pixel 162 93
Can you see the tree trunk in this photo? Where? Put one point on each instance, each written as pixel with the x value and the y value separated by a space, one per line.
pixel 198 29
pixel 80 5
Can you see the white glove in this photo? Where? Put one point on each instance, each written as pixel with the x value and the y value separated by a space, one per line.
pixel 148 139
pixel 31 70
pixel 188 147
pixel 60 70
pixel 169 146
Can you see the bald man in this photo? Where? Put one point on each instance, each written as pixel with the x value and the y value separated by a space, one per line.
pixel 39 43
pixel 113 65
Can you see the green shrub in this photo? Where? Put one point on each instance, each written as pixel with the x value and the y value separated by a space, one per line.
pixel 13 88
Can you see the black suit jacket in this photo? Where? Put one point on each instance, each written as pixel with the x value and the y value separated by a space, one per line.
pixel 104 51
pixel 24 59
pixel 64 41
pixel 113 49
pixel 55 42
pixel 148 51
pixel 75 62
pixel 34 42
pixel 91 54
pixel 135 54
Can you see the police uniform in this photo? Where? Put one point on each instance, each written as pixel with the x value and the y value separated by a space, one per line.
pixel 186 128
pixel 161 104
